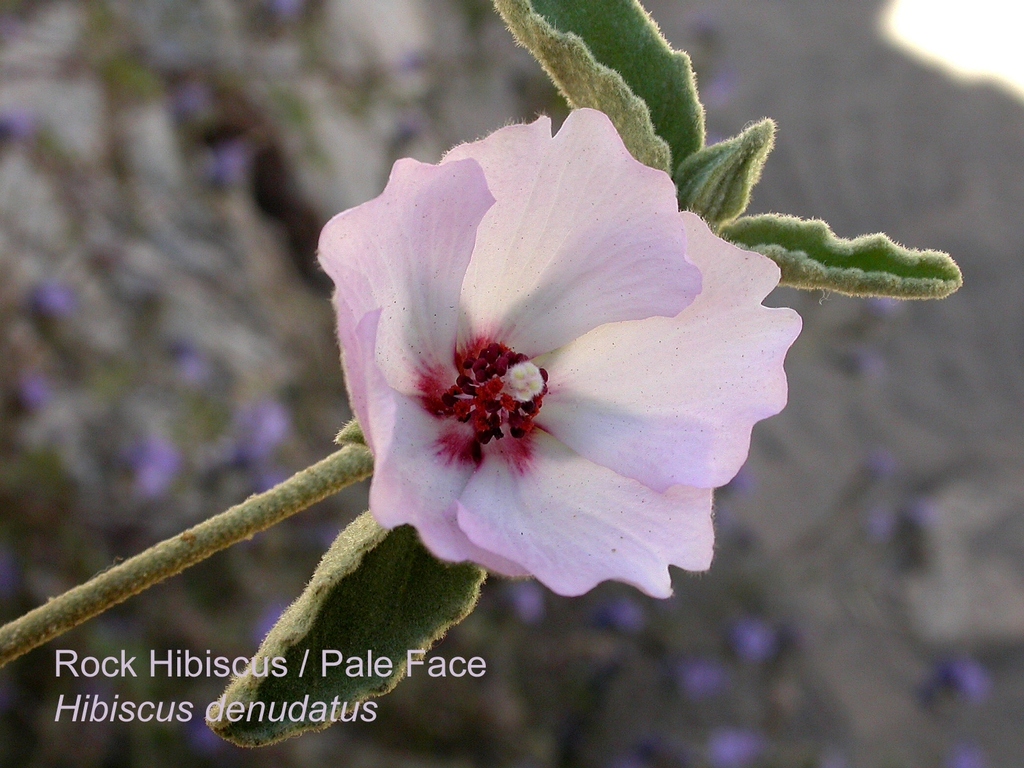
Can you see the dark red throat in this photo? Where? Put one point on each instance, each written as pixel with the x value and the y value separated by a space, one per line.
pixel 477 397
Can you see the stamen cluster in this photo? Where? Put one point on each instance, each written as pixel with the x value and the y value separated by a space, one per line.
pixel 481 398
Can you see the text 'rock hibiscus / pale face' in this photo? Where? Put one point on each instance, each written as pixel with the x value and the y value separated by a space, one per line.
pixel 553 367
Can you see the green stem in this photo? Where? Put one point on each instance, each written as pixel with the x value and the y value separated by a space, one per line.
pixel 257 513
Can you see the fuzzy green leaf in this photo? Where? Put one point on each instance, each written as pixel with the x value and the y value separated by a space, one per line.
pixel 621 35
pixel 374 590
pixel 586 82
pixel 812 257
pixel 715 183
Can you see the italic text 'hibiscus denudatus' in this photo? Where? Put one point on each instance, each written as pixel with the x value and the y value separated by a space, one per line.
pixel 552 365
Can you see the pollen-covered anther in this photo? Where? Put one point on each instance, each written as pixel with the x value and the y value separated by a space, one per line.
pixel 498 392
pixel 524 381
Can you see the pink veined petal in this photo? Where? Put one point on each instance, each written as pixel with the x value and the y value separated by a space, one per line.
pixel 412 483
pixel 573 524
pixel 411 245
pixel 582 235
pixel 672 401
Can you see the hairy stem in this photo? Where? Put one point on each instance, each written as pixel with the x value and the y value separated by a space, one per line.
pixel 257 513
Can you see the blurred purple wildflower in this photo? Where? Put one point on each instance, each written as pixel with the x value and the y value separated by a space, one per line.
pixel 34 390
pixel 410 125
pixel 17 124
pixel 10 574
pixel 53 298
pixel 410 62
pixel 201 739
pixel 721 88
pixel 753 640
pixel 882 464
pixel 702 678
pixel 527 599
pixel 652 747
pixel 623 614
pixel 880 523
pixel 10 27
pixel 286 10
pixel 963 676
pixel 883 306
pixel 265 478
pixel 260 429
pixel 921 512
pixel 704 23
pixel 735 747
pixel 966 755
pixel 190 100
pixel 267 619
pixel 190 362
pixel 156 463
pixel 868 362
pixel 8 694
pixel 229 163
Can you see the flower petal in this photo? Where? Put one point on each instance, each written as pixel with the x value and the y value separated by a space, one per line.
pixel 412 482
pixel 673 400
pixel 582 235
pixel 411 245
pixel 573 524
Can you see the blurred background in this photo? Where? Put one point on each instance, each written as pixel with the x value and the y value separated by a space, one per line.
pixel 166 348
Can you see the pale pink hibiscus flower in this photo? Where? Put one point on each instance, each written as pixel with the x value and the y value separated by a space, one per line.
pixel 552 365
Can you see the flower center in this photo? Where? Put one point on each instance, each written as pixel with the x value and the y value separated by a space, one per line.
pixel 497 390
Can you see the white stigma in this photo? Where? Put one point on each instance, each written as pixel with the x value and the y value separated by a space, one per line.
pixel 523 381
